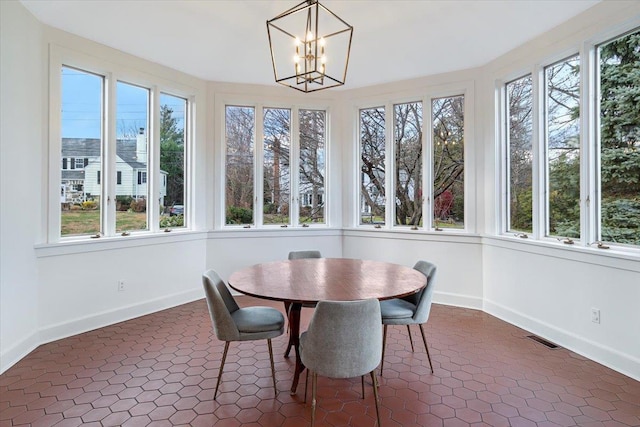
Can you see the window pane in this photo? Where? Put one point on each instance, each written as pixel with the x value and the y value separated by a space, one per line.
pixel 620 140
pixel 277 140
pixel 563 147
pixel 132 156
pixel 372 157
pixel 312 166
pixel 239 131
pixel 519 104
pixel 81 129
pixel 173 112
pixel 408 163
pixel 448 162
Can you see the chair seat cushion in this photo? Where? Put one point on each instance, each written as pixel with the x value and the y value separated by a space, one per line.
pixel 258 319
pixel 396 309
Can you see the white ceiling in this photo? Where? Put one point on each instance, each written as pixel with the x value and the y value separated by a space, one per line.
pixel 226 40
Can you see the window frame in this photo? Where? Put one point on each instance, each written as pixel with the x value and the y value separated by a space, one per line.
pixel 589 134
pixel 425 96
pixel 259 104
pixel 112 73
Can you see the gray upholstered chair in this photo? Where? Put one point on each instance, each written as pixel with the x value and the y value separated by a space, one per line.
pixel 410 310
pixel 232 323
pixel 287 305
pixel 344 340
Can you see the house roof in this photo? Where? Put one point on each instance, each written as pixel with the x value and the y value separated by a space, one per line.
pixel 90 147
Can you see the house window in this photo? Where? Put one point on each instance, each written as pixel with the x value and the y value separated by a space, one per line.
pixel 81 128
pixel 276 165
pixel 407 134
pixel 79 163
pixel 132 153
pixel 173 138
pixel 312 137
pixel 239 136
pixel 372 165
pixel 619 140
pixel 119 177
pixel 142 177
pixel 519 126
pixel 562 132
pixel 448 162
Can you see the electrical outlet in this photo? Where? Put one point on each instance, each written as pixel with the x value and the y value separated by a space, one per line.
pixel 120 285
pixel 595 315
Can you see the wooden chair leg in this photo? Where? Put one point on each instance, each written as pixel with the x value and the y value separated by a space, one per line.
pixel 306 386
pixel 273 369
pixel 314 385
pixel 375 395
pixel 384 344
pixel 410 338
pixel 424 340
pixel 224 357
pixel 362 379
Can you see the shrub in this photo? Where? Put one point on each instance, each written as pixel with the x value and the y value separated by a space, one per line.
pixel 172 221
pixel 138 205
pixel 238 215
pixel 89 205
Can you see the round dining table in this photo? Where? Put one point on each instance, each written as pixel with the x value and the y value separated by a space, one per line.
pixel 306 281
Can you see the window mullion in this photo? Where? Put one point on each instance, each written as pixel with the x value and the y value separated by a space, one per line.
pixel 258 154
pixel 538 147
pixel 389 163
pixel 588 145
pixel 427 164
pixel 294 169
pixel 153 172
pixel 108 187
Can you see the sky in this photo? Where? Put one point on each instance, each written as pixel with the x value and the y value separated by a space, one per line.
pixel 82 105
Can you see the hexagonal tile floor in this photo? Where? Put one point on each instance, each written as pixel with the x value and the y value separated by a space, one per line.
pixel 160 370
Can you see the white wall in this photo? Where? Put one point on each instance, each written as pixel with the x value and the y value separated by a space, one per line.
pixel 22 62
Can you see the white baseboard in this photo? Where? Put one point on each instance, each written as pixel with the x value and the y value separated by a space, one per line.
pixel 457 300
pixel 621 362
pixel 88 323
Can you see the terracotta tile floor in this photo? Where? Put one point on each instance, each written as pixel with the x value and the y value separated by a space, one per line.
pixel 160 370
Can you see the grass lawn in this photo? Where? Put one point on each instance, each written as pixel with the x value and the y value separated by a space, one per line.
pixel 88 222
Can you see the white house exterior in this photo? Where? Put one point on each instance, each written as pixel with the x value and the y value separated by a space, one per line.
pixel 81 170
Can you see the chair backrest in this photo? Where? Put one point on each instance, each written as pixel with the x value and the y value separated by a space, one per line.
pixel 221 304
pixel 423 298
pixel 304 254
pixel 344 338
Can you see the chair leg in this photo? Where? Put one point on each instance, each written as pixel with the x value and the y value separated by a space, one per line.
pixel 362 378
pixel 384 344
pixel 273 369
pixel 314 385
pixel 410 338
pixel 224 357
pixel 375 395
pixel 424 340
pixel 306 386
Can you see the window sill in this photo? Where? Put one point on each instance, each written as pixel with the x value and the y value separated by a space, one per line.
pixel 627 259
pixel 84 245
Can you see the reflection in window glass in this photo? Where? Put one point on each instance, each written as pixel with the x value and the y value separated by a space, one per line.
pixel 239 134
pixel 407 133
pixel 519 126
pixel 372 174
pixel 448 162
pixel 563 147
pixel 277 140
pixel 132 156
pixel 81 152
pixel 311 202
pixel 620 140
pixel 173 111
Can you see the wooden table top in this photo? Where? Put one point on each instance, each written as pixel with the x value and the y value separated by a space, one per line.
pixel 337 279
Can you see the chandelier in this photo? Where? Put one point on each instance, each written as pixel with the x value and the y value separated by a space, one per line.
pixel 310 47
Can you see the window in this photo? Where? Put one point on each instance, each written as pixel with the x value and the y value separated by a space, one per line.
pixel 372 164
pixel 240 131
pixel 106 148
pixel 562 128
pixel 280 197
pixel 519 125
pixel 619 140
pixel 312 125
pixel 276 165
pixel 407 133
pixel 448 162
pixel 586 153
pixel 173 138
pixel 81 135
